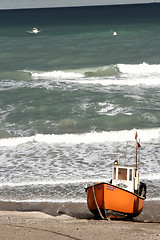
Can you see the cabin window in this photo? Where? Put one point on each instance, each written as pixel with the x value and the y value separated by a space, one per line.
pixel 114 173
pixel 130 174
pixel 122 174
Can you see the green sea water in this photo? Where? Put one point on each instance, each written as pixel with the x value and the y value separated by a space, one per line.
pixel 73 95
pixel 73 38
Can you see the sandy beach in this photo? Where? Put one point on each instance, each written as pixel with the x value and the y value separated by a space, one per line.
pixel 29 221
pixel 37 225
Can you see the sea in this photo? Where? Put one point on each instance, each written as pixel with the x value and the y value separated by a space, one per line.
pixel 72 98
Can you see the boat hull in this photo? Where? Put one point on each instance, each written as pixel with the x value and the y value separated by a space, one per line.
pixel 113 202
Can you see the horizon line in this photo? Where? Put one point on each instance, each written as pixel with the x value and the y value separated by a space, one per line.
pixel 76 6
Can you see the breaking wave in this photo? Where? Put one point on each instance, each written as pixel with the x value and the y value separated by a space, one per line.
pixel 111 70
pixel 151 176
pixel 103 71
pixel 120 75
pixel 143 68
pixel 57 75
pixel 52 182
pixel 46 200
pixel 145 135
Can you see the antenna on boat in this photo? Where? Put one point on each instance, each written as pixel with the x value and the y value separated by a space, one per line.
pixel 136 135
pixel 139 153
pixel 126 153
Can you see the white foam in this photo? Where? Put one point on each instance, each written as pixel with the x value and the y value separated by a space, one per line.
pixel 53 183
pixel 145 135
pixel 64 200
pixel 143 68
pixel 152 199
pixel 15 141
pixel 57 75
pixel 151 176
pixel 133 74
pixel 132 81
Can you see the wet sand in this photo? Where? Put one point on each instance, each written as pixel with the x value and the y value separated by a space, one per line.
pixel 46 221
pixel 150 213
pixel 37 225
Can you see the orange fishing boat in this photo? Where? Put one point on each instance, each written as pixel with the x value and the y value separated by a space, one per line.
pixel 122 197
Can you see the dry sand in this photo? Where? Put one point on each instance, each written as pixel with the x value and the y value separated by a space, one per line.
pixel 37 225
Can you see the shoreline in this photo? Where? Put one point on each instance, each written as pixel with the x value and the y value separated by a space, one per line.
pixel 150 213
pixel 33 225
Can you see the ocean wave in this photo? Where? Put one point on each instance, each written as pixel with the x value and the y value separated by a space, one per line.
pixel 129 80
pixel 53 183
pixel 142 69
pixel 56 75
pixel 104 71
pixel 139 69
pixel 46 200
pixel 151 176
pixel 111 70
pixel 84 181
pixel 108 70
pixel 119 74
pixel 64 200
pixel 152 199
pixel 146 135
pixel 117 70
pixel 111 75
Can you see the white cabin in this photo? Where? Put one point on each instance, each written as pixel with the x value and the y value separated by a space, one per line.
pixel 126 177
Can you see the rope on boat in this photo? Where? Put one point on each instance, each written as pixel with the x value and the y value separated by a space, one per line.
pixel 96 202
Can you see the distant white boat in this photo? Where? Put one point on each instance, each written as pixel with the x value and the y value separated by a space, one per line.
pixel 34 30
pixel 114 33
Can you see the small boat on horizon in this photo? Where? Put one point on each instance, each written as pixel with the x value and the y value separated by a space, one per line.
pixel 114 33
pixel 35 30
pixel 122 197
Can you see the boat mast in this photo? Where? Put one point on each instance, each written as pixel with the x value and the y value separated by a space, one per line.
pixel 137 146
pixel 136 135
